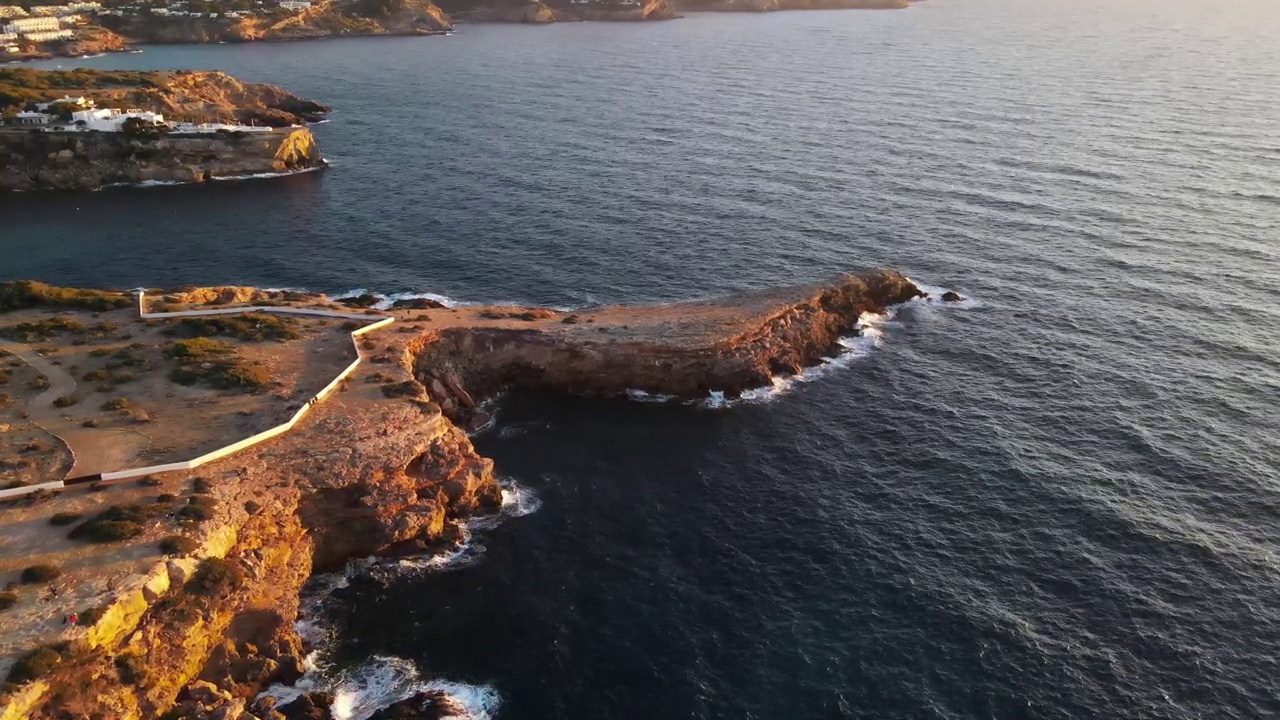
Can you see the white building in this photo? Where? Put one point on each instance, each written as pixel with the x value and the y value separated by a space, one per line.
pixel 6 38
pixel 111 119
pixel 88 7
pixel 48 10
pixel 11 11
pixel 32 119
pixel 24 26
pixel 49 36
pixel 294 4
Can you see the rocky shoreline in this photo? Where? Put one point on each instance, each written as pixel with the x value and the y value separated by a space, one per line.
pixel 274 139
pixel 331 18
pixel 386 469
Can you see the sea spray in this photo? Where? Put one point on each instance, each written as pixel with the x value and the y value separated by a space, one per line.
pixel 363 689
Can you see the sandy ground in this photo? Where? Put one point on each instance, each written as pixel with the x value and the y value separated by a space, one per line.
pixel 129 362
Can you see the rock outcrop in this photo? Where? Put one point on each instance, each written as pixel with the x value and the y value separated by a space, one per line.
pixel 773 5
pixel 458 365
pixel 381 473
pixel 87 161
pixel 327 18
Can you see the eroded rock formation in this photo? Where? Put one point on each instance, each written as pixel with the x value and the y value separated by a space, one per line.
pixel 389 473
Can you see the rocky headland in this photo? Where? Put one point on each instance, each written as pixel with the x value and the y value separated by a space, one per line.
pixel 354 18
pixel 385 468
pixel 39 159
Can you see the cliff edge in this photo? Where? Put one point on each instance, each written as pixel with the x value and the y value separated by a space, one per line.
pixel 380 468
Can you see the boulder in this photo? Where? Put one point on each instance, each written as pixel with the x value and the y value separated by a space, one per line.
pixel 950 296
pixel 433 705
pixel 308 706
pixel 418 304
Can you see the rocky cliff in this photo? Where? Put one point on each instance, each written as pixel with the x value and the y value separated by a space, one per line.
pixel 541 13
pixel 191 96
pixel 328 18
pixel 772 5
pixel 382 468
pixel 87 161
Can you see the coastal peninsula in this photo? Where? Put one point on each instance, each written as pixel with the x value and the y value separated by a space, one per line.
pixel 86 129
pixel 89 28
pixel 184 583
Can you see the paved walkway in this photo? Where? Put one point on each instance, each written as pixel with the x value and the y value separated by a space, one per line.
pixel 93 450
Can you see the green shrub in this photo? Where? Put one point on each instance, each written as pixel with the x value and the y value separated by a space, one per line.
pixel 40 574
pixel 214 576
pixel 35 664
pixel 131 668
pixel 95 376
pixel 201 485
pixel 166 498
pixel 40 383
pixel 199 348
pixel 254 328
pixel 4 377
pixel 118 522
pixel 8 599
pixel 64 518
pixel 20 294
pixel 64 401
pixel 178 545
pixel 149 481
pixel 198 509
pixel 38 330
pixel 91 616
pixel 408 388
pixel 100 352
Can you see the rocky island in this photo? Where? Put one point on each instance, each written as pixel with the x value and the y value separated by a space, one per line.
pixel 184 584
pixel 86 129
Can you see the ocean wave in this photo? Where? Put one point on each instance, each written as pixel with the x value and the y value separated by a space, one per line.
pixel 387 300
pixel 647 397
pixel 264 176
pixel 383 680
pixel 871 335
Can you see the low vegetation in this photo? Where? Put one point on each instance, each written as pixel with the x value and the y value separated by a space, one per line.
pixel 65 401
pixel 528 315
pixel 178 545
pixel 408 388
pixel 250 328
pixel 64 518
pixel 116 523
pixel 22 294
pixel 198 509
pixel 8 599
pixel 35 664
pixel 214 363
pixel 214 577
pixel 39 330
pixel 40 574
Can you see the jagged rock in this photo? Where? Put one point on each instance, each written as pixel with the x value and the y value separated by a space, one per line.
pixel 418 304
pixel 434 705
pixel 360 301
pixel 950 296
pixel 308 706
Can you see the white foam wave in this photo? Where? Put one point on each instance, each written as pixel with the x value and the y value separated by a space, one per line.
pixel 262 176
pixel 384 680
pixel 518 500
pixel 935 297
pixel 385 301
pixel 648 397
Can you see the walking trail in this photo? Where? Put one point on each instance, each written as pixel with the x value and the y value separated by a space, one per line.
pixel 93 450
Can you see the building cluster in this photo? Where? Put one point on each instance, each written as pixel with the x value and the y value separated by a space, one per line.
pixel 17 22
pixel 42 23
pixel 80 114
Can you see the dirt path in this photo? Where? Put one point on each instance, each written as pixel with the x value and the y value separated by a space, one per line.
pixel 92 450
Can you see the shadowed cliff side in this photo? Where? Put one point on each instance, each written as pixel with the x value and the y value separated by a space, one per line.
pixel 87 161
pixel 685 350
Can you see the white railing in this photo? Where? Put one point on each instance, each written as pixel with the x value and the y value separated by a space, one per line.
pixel 248 442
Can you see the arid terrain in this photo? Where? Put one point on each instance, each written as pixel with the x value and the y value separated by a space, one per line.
pixel 168 573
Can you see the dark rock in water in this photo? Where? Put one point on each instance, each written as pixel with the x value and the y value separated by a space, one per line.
pixel 950 296
pixel 309 706
pixel 418 304
pixel 423 706
pixel 360 301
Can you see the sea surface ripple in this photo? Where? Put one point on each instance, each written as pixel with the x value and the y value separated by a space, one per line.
pixel 1061 501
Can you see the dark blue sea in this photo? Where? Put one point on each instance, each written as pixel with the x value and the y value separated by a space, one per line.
pixel 1058 500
